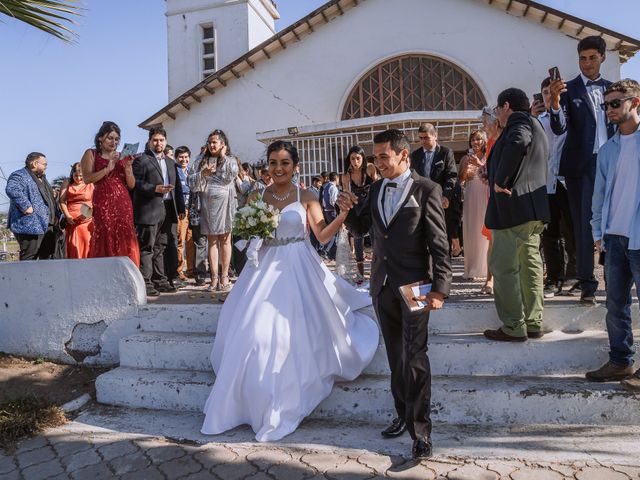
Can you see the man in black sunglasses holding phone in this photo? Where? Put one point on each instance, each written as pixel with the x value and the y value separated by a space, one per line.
pixel 616 228
pixel 576 109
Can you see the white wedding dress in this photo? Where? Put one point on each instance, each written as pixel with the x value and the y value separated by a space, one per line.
pixel 287 331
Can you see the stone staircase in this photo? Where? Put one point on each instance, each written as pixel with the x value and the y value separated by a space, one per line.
pixel 166 367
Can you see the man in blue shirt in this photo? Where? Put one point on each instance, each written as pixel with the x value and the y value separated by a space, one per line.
pixel 186 252
pixel 616 228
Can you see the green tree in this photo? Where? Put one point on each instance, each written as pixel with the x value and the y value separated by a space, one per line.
pixel 51 16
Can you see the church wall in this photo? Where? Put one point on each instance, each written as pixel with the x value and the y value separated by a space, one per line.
pixel 309 81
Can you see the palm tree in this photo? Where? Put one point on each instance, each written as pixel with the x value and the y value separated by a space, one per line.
pixel 50 16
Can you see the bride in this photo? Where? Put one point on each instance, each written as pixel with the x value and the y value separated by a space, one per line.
pixel 289 328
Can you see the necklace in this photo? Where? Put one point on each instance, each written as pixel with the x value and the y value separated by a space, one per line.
pixel 283 197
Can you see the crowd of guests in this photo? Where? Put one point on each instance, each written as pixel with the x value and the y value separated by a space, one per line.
pixel 539 183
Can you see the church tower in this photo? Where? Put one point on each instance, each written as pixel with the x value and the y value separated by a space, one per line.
pixel 205 35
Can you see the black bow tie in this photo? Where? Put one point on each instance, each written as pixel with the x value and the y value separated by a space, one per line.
pixel 598 83
pixel 391 185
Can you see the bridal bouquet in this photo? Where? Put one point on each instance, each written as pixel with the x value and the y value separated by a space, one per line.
pixel 253 223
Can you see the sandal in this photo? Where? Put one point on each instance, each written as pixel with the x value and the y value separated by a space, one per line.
pixel 486 290
pixel 224 286
pixel 214 286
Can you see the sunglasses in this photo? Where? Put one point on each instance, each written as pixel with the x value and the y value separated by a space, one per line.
pixel 614 103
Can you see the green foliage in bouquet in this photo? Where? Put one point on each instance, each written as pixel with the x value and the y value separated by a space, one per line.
pixel 256 219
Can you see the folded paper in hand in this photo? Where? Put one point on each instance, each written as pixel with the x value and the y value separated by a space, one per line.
pixel 417 289
pixel 129 149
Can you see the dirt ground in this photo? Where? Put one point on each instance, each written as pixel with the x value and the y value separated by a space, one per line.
pixel 55 382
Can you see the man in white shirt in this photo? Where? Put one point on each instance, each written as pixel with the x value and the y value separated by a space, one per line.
pixel 557 237
pixel 616 228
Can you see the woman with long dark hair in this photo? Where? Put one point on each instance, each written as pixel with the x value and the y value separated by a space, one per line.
pixel 474 208
pixel 356 179
pixel 289 327
pixel 76 202
pixel 114 234
pixel 214 181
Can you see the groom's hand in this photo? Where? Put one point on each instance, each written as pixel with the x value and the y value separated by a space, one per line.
pixel 346 201
pixel 434 300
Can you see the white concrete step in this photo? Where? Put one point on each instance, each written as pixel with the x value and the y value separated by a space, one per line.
pixel 472 315
pixel 452 354
pixel 458 400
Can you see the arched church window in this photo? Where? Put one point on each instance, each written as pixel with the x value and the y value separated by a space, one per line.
pixel 413 83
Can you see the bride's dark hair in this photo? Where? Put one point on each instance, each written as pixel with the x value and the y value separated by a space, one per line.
pixel 279 145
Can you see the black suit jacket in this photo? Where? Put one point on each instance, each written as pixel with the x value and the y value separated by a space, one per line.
pixel 415 238
pixel 518 162
pixel 443 169
pixel 576 117
pixel 148 206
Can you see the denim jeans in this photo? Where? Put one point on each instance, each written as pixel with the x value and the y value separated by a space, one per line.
pixel 621 271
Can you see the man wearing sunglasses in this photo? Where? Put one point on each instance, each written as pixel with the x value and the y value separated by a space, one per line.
pixel 576 110
pixel 616 228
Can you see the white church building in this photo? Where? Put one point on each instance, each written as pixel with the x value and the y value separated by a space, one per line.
pixel 352 68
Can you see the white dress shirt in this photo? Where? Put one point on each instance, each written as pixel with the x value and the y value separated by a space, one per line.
pixel 596 95
pixel 165 175
pixel 392 196
pixel 556 143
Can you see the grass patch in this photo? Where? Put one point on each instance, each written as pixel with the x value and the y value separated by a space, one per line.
pixel 26 416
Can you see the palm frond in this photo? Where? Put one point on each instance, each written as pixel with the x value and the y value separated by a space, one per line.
pixel 51 16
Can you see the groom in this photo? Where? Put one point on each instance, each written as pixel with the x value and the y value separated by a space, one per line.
pixel 406 215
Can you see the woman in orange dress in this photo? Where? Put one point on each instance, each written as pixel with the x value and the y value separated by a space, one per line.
pixel 114 234
pixel 79 228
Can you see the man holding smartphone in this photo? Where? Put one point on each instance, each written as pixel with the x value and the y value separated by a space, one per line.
pixel 576 110
pixel 557 237
pixel 157 204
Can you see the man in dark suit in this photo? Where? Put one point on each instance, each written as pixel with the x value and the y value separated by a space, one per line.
pixel 517 210
pixel 576 109
pixel 157 205
pixel 435 162
pixel 405 212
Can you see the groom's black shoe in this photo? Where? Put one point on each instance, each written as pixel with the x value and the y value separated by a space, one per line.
pixel 422 448
pixel 397 428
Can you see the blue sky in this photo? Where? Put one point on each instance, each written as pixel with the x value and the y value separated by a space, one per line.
pixel 54 96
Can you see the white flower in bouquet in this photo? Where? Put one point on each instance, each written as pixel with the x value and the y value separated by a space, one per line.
pixel 257 219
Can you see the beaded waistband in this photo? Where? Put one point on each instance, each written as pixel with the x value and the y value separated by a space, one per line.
pixel 279 242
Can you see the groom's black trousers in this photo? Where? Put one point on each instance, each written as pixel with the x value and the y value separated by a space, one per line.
pixel 405 336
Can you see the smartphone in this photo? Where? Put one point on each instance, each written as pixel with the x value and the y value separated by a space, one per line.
pixel 471 151
pixel 537 97
pixel 554 73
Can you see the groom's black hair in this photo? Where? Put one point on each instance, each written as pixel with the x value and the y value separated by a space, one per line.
pixel 284 145
pixel 395 137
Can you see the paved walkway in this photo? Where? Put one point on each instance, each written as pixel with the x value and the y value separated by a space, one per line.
pixel 106 443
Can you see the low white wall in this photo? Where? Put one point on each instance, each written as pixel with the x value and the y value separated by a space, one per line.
pixel 69 310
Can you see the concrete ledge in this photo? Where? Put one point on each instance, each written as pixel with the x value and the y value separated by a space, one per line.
pixel 74 311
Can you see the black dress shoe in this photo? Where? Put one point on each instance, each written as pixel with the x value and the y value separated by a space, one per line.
pixel 177 283
pixel 422 448
pixel 152 292
pixel 200 281
pixel 166 288
pixel 397 428
pixel 500 336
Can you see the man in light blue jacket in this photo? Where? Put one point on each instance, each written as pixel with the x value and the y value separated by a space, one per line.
pixel 32 209
pixel 616 227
